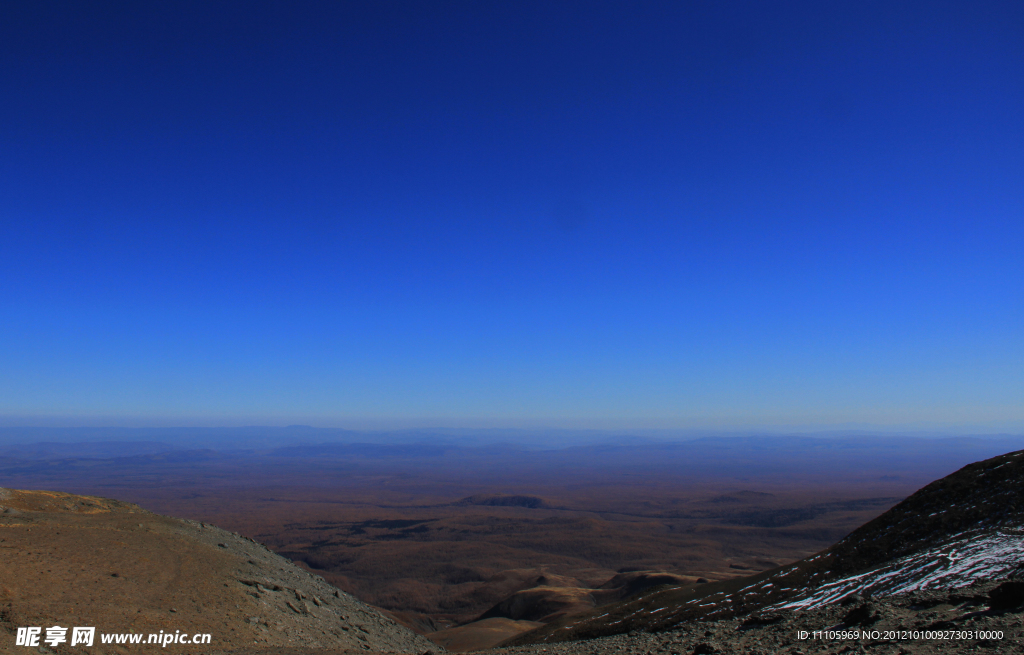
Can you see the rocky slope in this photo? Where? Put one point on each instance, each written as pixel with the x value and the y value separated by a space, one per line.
pixel 86 561
pixel 928 623
pixel 965 531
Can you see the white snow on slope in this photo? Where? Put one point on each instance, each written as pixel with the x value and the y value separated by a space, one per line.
pixel 958 562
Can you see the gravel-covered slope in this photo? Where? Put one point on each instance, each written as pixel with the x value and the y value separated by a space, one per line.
pixel 84 561
pixel 927 623
pixel 317 612
pixel 961 530
pixel 980 496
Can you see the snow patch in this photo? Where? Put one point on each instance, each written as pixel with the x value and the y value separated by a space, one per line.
pixel 957 563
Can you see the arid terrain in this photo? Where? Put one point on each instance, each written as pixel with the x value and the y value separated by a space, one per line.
pixel 473 546
pixel 943 571
pixel 69 561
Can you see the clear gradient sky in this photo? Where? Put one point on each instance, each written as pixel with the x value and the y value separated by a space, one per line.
pixel 673 214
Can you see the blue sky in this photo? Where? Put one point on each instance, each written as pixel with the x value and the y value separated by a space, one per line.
pixel 578 214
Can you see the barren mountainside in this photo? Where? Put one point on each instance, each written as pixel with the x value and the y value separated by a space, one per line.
pixel 86 561
pixel 963 532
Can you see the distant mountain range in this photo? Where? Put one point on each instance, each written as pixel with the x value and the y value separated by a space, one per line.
pixel 271 437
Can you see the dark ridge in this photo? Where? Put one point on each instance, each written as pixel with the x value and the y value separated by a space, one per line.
pixel 368 450
pixel 85 450
pixel 499 500
pixel 774 518
pixel 782 517
pixel 984 494
pixel 391 524
pixel 744 496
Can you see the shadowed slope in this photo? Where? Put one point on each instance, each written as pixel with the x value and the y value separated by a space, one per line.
pixel 962 530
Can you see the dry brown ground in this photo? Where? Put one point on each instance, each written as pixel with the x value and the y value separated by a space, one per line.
pixel 402 534
pixel 436 562
pixel 85 561
pixel 397 530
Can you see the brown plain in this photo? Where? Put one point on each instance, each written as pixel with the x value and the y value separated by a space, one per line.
pixel 513 537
